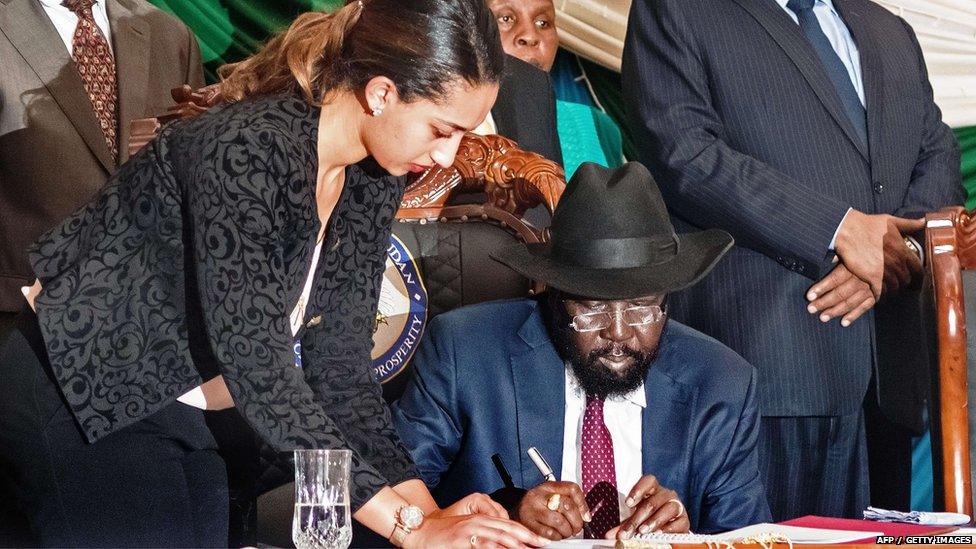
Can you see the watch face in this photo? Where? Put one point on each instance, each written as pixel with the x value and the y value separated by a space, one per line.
pixel 411 516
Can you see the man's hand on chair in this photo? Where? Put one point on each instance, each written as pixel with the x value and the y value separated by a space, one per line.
pixel 873 248
pixel 875 258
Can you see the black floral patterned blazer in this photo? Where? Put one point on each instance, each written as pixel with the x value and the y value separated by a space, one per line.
pixel 188 265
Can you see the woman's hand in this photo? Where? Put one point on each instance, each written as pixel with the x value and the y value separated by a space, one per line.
pixel 473 504
pixel 470 531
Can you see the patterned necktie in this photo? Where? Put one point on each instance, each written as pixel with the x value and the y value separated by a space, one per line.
pixel 599 472
pixel 831 62
pixel 95 64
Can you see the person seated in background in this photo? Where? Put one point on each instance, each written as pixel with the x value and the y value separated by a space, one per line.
pixel 525 110
pixel 651 425
pixel 586 134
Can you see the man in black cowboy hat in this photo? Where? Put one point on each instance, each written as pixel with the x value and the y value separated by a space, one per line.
pixel 649 424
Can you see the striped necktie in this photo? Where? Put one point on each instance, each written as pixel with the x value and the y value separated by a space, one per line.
pixel 598 470
pixel 835 68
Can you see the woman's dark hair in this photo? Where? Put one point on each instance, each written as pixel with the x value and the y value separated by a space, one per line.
pixel 423 46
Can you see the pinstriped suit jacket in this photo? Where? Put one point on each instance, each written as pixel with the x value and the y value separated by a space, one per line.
pixel 744 131
pixel 53 156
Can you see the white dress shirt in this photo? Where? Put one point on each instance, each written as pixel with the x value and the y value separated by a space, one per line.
pixel 840 39
pixel 65 20
pixel 622 416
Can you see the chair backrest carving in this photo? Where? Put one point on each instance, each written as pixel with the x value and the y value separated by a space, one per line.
pixel 951 250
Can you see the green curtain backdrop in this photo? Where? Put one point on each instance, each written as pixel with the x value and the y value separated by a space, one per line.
pixel 231 29
pixel 967 143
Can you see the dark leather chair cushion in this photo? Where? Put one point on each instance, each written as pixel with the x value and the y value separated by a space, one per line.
pixel 457 270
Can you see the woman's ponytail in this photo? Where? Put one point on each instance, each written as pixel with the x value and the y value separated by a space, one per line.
pixel 305 58
pixel 424 46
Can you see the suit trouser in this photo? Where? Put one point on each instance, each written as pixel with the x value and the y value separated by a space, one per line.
pixel 814 465
pixel 158 482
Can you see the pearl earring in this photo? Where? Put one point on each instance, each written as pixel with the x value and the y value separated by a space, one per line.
pixel 377 111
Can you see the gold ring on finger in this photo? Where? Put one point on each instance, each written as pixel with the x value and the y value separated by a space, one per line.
pixel 681 506
pixel 474 540
pixel 553 502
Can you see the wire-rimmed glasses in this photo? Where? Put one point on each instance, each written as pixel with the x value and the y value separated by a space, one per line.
pixel 641 315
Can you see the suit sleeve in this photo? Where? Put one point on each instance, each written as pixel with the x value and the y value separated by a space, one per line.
pixel 339 368
pixel 194 64
pixel 704 180
pixel 734 495
pixel 936 178
pixel 427 413
pixel 232 203
pixel 555 149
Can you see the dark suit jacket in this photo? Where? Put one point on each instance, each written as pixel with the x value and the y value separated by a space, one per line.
pixel 487 380
pixel 53 156
pixel 743 131
pixel 191 260
pixel 525 110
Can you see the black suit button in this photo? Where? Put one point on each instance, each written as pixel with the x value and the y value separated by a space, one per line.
pixel 878 187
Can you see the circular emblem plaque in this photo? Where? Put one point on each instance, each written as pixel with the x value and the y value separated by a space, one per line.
pixel 402 313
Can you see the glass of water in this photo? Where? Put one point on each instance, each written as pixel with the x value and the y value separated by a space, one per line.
pixel 322 518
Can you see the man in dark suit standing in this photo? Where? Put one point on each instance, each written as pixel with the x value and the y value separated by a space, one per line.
pixel 76 73
pixel 807 129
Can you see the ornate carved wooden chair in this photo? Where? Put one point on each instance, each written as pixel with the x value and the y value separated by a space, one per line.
pixel 950 292
pixel 438 260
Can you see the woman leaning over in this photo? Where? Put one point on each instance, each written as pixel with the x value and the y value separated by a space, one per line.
pixel 232 240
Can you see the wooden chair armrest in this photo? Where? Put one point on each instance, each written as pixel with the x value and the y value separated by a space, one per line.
pixel 949 235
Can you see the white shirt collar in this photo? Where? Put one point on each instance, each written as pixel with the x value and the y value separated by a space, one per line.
pixel 828 3
pixel 637 397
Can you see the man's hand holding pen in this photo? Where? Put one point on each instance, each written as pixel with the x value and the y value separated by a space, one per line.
pixel 566 520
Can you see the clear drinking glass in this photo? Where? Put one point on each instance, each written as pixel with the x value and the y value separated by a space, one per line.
pixel 322 518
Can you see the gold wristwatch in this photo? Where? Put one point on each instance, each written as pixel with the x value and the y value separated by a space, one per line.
pixel 408 519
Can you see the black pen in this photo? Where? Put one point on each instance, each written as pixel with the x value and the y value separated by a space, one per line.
pixel 502 471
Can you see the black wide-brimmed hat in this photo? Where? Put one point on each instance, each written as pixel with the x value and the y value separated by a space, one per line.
pixel 612 239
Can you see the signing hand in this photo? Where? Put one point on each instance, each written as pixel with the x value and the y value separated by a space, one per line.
pixel 565 521
pixel 861 246
pixel 840 294
pixel 655 509
pixel 468 531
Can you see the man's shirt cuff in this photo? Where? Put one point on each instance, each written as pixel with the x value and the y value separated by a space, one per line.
pixel 833 240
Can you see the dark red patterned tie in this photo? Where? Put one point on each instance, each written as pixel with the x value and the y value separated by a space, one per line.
pixel 93 59
pixel 599 472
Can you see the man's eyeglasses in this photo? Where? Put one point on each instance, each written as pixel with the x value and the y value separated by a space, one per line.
pixel 633 316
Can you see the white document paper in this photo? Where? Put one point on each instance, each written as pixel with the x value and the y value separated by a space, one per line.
pixel 797 534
